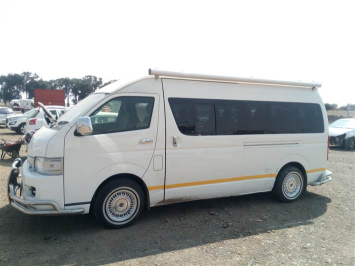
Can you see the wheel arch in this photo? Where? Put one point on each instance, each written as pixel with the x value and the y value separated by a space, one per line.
pixel 297 165
pixel 133 177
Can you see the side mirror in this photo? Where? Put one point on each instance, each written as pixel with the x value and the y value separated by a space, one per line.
pixel 84 126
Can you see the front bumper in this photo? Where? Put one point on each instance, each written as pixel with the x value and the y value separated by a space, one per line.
pixel 29 206
pixel 324 178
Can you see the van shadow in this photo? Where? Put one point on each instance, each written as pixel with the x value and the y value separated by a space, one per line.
pixel 80 240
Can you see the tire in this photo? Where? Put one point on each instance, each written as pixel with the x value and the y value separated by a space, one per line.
pixel 116 199
pixel 21 129
pixel 349 144
pixel 289 185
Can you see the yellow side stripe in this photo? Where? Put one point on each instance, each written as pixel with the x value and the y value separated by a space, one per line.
pixel 224 180
pixel 156 187
pixel 316 170
pixel 206 182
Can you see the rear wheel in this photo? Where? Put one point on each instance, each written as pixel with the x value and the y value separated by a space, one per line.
pixel 21 128
pixel 350 144
pixel 289 184
pixel 119 203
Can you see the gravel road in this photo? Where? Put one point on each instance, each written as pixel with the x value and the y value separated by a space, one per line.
pixel 248 230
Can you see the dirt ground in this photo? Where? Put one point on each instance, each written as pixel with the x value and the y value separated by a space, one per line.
pixel 248 230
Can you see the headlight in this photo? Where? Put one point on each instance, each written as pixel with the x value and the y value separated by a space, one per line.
pixel 49 166
pixel 31 163
pixel 13 118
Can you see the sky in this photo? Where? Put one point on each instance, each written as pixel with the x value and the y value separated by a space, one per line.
pixel 287 40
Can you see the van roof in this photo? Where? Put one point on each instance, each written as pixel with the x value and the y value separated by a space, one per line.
pixel 191 76
pixel 155 73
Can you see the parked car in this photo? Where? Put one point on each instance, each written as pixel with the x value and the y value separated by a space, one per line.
pixel 342 133
pixel 41 119
pixel 18 122
pixel 26 105
pixel 4 113
pixel 15 103
pixel 174 137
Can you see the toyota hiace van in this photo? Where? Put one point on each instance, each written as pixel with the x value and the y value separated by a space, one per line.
pixel 172 137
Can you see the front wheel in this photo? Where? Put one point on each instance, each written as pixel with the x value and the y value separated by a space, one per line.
pixel 349 144
pixel 21 128
pixel 289 184
pixel 119 203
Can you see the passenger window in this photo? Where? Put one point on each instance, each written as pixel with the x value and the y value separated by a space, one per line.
pixel 183 112
pixel 289 118
pixel 205 118
pixel 123 114
pixel 255 120
pixel 229 117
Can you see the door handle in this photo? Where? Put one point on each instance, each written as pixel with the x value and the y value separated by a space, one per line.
pixel 145 141
pixel 175 141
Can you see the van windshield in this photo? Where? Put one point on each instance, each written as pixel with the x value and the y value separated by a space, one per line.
pixel 81 108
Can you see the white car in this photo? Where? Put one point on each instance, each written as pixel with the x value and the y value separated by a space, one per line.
pixel 26 104
pixel 18 122
pixel 41 119
pixel 15 103
pixel 342 133
pixel 174 137
pixel 4 113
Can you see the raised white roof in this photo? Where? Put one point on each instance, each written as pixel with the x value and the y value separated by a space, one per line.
pixel 191 76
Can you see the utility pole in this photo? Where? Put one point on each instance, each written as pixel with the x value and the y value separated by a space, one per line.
pixel 347 110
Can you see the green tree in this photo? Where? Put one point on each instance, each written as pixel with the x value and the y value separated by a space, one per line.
pixel 35 84
pixel 28 78
pixel 95 82
pixel 11 86
pixel 334 106
pixel 81 89
pixel 65 84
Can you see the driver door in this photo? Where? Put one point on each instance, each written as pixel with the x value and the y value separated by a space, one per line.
pixel 123 141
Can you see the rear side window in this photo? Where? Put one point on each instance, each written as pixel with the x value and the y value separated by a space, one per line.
pixel 233 117
pixel 288 118
pixel 33 113
pixel 123 114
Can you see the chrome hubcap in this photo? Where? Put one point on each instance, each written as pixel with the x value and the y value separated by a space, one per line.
pixel 292 185
pixel 121 205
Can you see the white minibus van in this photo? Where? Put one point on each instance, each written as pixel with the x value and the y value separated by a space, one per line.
pixel 172 137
